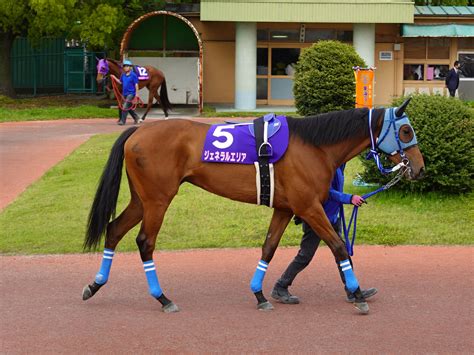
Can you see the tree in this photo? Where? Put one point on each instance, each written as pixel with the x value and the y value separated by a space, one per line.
pixel 98 23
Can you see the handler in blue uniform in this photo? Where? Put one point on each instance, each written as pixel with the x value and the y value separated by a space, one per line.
pixel 310 242
pixel 129 82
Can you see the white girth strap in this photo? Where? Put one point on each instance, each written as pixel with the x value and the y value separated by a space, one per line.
pixel 265 132
pixel 272 182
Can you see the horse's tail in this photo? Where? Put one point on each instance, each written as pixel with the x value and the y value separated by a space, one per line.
pixel 165 102
pixel 105 200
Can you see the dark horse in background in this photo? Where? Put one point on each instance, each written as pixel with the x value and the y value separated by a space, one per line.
pixel 156 80
pixel 160 156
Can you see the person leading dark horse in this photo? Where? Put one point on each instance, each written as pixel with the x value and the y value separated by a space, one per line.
pixel 310 242
pixel 129 82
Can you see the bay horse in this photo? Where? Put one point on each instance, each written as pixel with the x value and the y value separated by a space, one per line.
pixel 160 156
pixel 156 80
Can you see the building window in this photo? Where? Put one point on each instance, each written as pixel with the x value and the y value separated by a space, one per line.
pixel 437 72
pixel 344 36
pixel 413 71
pixel 319 34
pixel 426 59
pixel 285 35
pixel 262 89
pixel 262 61
pixel 262 35
pixel 283 60
pixel 467 65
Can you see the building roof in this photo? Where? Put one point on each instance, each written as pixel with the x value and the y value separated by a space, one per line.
pixel 444 11
pixel 441 30
pixel 309 11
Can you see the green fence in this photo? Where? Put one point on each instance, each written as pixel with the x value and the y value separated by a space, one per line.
pixel 51 67
pixel 38 69
pixel 80 71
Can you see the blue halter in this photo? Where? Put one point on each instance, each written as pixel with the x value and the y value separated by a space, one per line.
pixel 389 143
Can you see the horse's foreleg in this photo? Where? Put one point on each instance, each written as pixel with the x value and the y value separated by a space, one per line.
pixel 318 221
pixel 115 232
pixel 280 220
pixel 146 239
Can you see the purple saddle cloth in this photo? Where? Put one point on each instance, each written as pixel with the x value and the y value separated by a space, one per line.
pixel 142 72
pixel 235 143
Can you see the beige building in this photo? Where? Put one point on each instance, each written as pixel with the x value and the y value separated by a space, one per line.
pixel 242 52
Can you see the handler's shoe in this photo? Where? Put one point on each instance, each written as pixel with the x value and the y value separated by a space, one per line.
pixel 366 293
pixel 282 295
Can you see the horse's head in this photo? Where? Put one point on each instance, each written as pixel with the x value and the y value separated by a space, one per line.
pixel 398 140
pixel 102 70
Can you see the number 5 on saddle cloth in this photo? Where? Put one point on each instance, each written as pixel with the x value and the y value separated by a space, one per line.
pixel 262 142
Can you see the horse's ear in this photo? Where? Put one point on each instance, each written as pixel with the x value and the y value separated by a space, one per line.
pixel 399 111
pixel 97 58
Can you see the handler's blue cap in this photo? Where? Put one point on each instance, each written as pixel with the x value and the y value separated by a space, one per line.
pixel 127 62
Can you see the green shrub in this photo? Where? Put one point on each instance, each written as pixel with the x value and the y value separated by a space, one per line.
pixel 324 79
pixel 444 129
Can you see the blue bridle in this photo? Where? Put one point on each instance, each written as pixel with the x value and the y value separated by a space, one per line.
pixel 388 142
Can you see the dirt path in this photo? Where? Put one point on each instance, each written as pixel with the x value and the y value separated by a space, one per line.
pixel 424 305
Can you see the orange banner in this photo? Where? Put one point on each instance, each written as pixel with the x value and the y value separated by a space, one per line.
pixel 364 87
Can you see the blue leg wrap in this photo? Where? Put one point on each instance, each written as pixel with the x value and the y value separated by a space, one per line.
pixel 351 281
pixel 257 279
pixel 153 283
pixel 103 275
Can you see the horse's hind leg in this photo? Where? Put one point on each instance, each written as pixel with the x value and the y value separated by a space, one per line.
pixel 116 229
pixel 150 102
pixel 158 99
pixel 154 213
pixel 278 224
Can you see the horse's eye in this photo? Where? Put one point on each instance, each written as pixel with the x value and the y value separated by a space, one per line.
pixel 406 133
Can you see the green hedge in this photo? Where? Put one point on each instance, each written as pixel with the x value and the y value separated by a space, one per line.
pixel 444 129
pixel 324 79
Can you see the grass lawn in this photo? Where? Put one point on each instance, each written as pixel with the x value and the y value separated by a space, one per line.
pixel 54 108
pixel 50 216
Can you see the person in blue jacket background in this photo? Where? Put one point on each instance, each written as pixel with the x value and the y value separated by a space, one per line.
pixel 129 82
pixel 310 242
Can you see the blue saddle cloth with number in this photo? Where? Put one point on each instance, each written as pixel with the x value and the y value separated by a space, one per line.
pixel 141 72
pixel 234 142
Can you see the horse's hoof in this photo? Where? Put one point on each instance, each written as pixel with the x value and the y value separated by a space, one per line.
pixel 362 307
pixel 265 306
pixel 86 293
pixel 170 308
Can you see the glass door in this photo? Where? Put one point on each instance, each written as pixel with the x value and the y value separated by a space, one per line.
pixel 275 70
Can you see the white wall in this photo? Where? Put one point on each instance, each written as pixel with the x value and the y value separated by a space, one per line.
pixel 181 77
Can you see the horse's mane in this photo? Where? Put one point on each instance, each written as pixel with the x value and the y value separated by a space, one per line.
pixel 334 127
pixel 116 62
